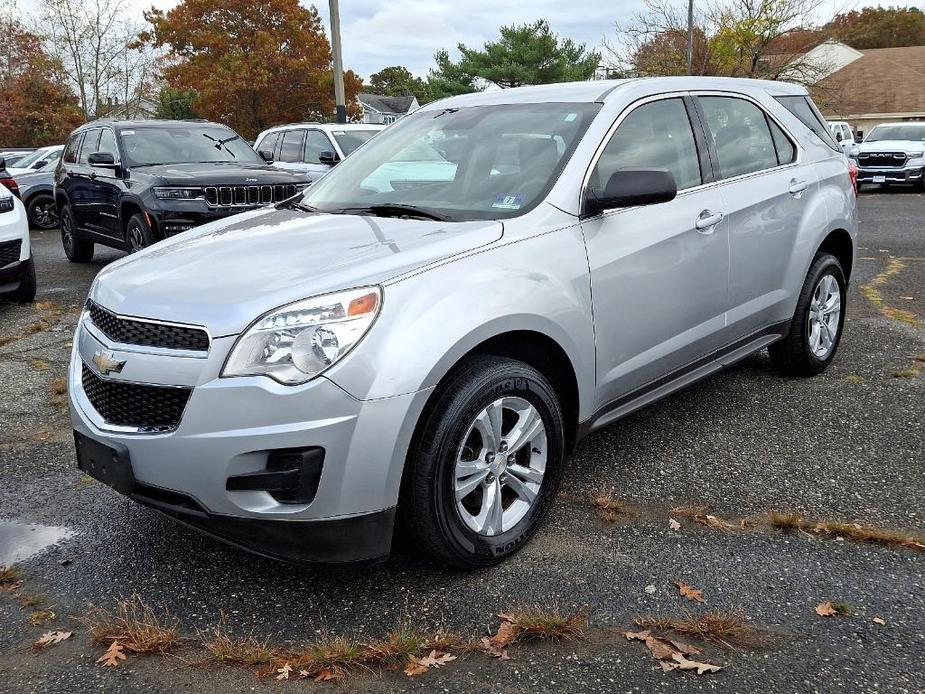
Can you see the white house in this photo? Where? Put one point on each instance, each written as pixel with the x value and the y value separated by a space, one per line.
pixel 383 110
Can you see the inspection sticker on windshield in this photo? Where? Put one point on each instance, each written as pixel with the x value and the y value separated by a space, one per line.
pixel 509 202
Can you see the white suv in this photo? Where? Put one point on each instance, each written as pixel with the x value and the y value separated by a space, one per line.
pixel 312 148
pixel 17 271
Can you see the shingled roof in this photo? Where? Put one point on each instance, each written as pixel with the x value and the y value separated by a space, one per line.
pixel 882 81
pixel 386 104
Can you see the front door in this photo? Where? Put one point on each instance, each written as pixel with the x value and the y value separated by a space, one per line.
pixel 659 273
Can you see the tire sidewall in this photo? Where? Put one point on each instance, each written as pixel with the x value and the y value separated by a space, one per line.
pixel 824 265
pixel 139 222
pixel 68 228
pixel 513 380
pixel 30 211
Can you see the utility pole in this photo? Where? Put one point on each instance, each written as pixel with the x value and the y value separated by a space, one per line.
pixel 339 98
pixel 690 37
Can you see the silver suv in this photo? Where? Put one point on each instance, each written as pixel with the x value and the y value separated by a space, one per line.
pixel 428 348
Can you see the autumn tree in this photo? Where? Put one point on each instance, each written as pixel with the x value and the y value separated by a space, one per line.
pixel 397 81
pixel 880 27
pixel 252 64
pixel 36 107
pixel 174 104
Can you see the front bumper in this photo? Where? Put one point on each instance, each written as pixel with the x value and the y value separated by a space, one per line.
pixel 14 246
pixel 231 426
pixel 911 173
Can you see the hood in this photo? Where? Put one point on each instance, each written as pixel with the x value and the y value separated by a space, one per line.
pixel 891 146
pixel 222 173
pixel 225 274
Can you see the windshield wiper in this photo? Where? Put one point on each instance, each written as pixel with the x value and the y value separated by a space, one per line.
pixel 294 203
pixel 389 209
pixel 220 144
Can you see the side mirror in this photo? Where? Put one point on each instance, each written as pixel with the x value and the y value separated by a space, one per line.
pixel 39 164
pixel 266 155
pixel 859 136
pixel 839 137
pixel 102 159
pixel 632 187
pixel 328 156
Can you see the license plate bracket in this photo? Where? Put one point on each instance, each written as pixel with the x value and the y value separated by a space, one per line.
pixel 110 464
pixel 879 179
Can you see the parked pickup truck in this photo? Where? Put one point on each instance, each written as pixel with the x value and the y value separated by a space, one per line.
pixel 891 153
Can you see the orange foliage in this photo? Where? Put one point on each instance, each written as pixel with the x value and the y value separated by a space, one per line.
pixel 254 64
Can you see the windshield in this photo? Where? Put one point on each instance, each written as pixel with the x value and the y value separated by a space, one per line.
pixel 147 145
pixel 897 132
pixel 349 140
pixel 35 156
pixel 481 162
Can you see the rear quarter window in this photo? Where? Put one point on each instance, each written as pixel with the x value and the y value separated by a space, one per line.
pixel 804 109
pixel 70 152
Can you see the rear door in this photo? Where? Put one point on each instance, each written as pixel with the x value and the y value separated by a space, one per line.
pixel 107 188
pixel 659 273
pixel 289 155
pixel 81 184
pixel 765 185
pixel 316 142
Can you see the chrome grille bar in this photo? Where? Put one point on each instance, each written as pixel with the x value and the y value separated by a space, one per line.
pixel 245 196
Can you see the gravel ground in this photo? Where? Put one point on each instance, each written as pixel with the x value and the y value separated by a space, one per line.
pixel 848 444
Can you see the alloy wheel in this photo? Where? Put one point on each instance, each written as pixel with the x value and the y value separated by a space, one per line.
pixel 136 239
pixel 67 234
pixel 824 316
pixel 500 466
pixel 45 214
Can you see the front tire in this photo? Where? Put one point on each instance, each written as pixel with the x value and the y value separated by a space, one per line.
pixel 485 464
pixel 138 234
pixel 42 212
pixel 77 249
pixel 25 293
pixel 816 328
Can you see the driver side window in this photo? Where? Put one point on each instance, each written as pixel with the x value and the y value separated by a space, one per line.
pixel 657 135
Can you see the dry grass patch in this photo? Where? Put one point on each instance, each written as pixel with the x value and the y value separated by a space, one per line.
pixel 699 514
pixel 853 378
pixel 31 600
pixel 727 628
pixel 905 373
pixel 38 364
pixel 9 577
pixel 224 648
pixel 39 617
pixel 405 642
pixel 135 625
pixel 331 657
pixel 609 508
pixel 550 624
pixel 851 531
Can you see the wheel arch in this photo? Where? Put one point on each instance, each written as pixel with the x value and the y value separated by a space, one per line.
pixel 127 208
pixel 839 243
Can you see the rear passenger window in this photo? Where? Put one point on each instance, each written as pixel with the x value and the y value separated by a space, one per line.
pixel 268 144
pixel 316 142
pixel 809 115
pixel 70 152
pixel 291 151
pixel 656 135
pixel 782 143
pixel 91 142
pixel 741 135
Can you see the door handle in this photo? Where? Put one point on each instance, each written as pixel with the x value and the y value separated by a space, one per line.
pixel 707 220
pixel 796 186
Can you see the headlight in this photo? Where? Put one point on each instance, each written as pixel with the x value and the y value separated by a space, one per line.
pixel 295 343
pixel 914 155
pixel 178 193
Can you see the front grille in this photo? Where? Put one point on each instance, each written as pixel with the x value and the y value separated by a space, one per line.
pixel 150 408
pixel 138 332
pixel 888 159
pixel 243 196
pixel 9 252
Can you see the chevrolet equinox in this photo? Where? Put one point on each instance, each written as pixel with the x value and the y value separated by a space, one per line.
pixel 423 350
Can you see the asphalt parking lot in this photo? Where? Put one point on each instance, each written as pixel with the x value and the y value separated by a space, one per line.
pixel 849 445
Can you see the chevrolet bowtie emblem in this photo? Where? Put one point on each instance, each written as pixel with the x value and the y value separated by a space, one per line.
pixel 106 362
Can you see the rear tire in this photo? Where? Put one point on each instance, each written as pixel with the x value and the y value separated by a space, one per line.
pixel 77 249
pixel 25 293
pixel 810 346
pixel 138 234
pixel 517 462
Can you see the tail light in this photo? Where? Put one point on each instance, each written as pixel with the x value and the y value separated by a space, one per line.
pixel 853 174
pixel 11 184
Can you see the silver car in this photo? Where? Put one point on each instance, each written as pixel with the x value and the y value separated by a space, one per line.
pixel 297 378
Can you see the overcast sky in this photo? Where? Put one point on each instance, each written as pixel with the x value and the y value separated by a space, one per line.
pixel 378 33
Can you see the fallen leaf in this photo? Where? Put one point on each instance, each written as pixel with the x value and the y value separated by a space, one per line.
pixel 826 609
pixel 507 632
pixel 661 649
pixel 436 659
pixel 325 674
pixel 637 635
pixel 304 673
pixel 414 668
pixel 650 589
pixel 689 592
pixel 112 656
pixel 880 620
pixel 284 672
pixel 673 524
pixel 493 651
pixel 685 664
pixel 684 647
pixel 50 638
